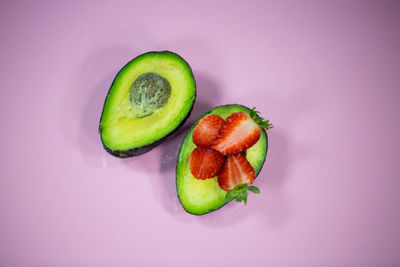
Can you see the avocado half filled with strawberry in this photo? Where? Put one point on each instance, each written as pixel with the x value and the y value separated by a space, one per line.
pixel 220 158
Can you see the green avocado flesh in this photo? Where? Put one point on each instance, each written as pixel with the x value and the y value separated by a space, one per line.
pixel 150 97
pixel 202 196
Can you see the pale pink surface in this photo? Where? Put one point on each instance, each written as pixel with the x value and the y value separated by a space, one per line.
pixel 326 73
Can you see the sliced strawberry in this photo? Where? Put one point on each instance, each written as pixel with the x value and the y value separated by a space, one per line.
pixel 207 130
pixel 239 132
pixel 236 171
pixel 205 162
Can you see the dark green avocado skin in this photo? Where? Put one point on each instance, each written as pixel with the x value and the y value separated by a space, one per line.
pixel 176 185
pixel 141 150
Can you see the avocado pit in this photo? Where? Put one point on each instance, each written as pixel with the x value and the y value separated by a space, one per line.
pixel 149 92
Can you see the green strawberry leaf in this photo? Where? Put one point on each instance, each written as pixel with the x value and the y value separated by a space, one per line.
pixel 254 189
pixel 240 193
pixel 230 195
pixel 256 116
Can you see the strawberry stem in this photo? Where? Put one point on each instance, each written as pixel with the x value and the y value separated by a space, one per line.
pixel 240 193
pixel 256 116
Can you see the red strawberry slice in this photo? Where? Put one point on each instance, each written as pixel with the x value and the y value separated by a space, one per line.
pixel 239 133
pixel 207 130
pixel 205 162
pixel 235 171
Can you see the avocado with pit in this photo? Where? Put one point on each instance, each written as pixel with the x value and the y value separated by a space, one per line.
pixel 199 197
pixel 150 99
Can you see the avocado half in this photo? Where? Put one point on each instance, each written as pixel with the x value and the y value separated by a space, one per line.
pixel 199 197
pixel 150 98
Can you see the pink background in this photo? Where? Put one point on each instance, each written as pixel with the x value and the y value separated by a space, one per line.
pixel 326 73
